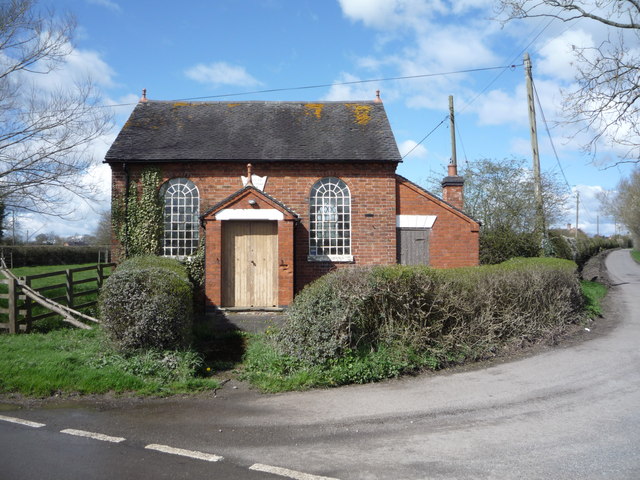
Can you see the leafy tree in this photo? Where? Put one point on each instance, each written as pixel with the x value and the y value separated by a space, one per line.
pixel 45 130
pixel 499 193
pixel 624 204
pixel 605 102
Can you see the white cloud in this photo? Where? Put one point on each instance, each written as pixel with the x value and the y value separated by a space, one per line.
pixel 417 151
pixel 389 14
pixel 107 4
pixel 498 107
pixel 78 67
pixel 558 55
pixel 221 73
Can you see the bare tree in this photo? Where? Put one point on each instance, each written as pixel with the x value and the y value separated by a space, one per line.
pixel 606 101
pixel 104 230
pixel 45 130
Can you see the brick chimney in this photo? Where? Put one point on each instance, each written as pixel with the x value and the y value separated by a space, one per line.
pixel 452 187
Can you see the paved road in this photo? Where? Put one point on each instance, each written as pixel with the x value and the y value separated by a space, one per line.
pixel 571 413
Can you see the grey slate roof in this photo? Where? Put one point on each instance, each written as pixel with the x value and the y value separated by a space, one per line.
pixel 255 131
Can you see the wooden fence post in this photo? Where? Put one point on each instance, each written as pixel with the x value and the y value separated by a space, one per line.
pixel 13 306
pixel 100 275
pixel 28 306
pixel 69 275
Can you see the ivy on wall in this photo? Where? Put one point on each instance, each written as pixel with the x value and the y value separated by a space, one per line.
pixel 138 216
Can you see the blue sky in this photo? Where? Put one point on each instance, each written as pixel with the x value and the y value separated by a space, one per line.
pixel 192 49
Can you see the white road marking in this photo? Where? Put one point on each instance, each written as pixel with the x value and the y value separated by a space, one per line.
pixel 209 457
pixel 26 423
pixel 285 472
pixel 95 436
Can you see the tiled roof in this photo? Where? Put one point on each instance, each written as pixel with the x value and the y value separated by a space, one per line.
pixel 236 194
pixel 255 131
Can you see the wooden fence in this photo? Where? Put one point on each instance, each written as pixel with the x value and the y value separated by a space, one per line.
pixel 22 311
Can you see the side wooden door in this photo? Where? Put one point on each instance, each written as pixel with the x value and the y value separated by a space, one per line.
pixel 413 246
pixel 249 264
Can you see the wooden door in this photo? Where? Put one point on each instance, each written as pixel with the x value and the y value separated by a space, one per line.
pixel 249 264
pixel 413 246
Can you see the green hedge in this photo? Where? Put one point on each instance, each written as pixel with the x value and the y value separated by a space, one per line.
pixel 39 255
pixel 584 248
pixel 458 314
pixel 501 244
pixel 147 303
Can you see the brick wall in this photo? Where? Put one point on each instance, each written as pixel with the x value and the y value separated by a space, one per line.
pixel 374 191
pixel 372 188
pixel 454 240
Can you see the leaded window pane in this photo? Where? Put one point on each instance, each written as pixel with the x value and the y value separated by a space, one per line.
pixel 330 219
pixel 181 211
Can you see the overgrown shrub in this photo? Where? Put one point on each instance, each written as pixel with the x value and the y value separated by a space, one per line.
pixel 195 266
pixel 453 314
pixel 147 304
pixel 581 250
pixel 500 244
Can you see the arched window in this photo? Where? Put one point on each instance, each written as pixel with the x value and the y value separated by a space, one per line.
pixel 330 220
pixel 181 211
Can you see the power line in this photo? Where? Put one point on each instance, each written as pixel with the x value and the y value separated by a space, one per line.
pixel 546 127
pixel 426 136
pixel 309 87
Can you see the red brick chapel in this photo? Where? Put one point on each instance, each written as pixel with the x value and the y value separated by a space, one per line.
pixel 284 192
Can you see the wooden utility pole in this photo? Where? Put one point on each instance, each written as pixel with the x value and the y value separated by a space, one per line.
pixel 537 181
pixel 452 127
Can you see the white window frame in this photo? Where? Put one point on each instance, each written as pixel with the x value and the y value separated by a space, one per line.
pixel 181 218
pixel 330 221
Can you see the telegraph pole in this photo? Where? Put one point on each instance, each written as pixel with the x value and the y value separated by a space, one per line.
pixel 537 181
pixel 452 127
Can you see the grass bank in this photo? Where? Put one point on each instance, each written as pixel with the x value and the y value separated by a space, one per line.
pixel 635 254
pixel 74 361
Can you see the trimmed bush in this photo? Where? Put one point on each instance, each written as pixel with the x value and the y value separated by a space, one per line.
pixel 147 304
pixel 502 243
pixel 153 261
pixel 454 315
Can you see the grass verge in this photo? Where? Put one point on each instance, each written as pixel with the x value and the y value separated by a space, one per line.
pixel 271 372
pixel 635 254
pixel 81 362
pixel 593 293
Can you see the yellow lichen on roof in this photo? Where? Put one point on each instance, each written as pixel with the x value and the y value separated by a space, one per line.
pixel 231 105
pixel 314 109
pixel 362 113
pixel 180 104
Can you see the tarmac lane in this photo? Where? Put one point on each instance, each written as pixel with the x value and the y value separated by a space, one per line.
pixel 567 412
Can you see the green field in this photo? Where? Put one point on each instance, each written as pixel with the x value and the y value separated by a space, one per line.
pixel 56 293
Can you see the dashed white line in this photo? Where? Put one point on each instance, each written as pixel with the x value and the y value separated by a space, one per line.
pixel 20 421
pixel 95 436
pixel 209 457
pixel 285 472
